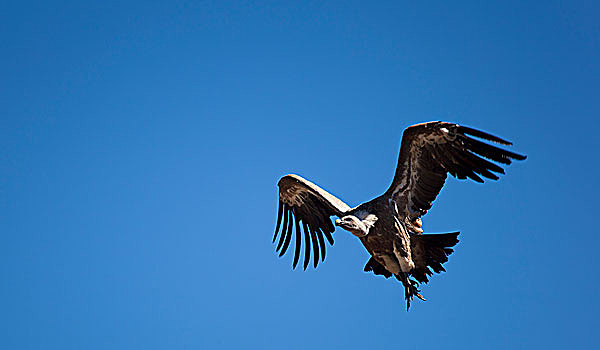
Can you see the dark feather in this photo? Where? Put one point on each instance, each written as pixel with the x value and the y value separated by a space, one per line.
pixel 296 250
pixel 315 245
pixel 288 238
pixel 306 249
pixel 328 236
pixel 321 244
pixel 482 135
pixel 285 231
pixel 279 214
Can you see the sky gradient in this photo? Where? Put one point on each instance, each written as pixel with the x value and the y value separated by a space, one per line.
pixel 141 144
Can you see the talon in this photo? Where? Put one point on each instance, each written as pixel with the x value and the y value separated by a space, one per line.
pixel 420 296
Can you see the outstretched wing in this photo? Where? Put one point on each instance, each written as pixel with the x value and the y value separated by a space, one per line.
pixel 431 150
pixel 307 207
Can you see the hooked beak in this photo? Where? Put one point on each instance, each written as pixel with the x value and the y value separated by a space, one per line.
pixel 338 222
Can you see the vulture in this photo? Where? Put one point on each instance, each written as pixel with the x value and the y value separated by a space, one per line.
pixel 390 226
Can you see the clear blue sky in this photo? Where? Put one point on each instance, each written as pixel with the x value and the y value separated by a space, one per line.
pixel 141 143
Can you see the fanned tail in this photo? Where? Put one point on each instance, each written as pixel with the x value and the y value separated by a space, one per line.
pixel 436 248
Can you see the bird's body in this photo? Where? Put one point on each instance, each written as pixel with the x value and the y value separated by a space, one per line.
pixel 392 243
pixel 389 226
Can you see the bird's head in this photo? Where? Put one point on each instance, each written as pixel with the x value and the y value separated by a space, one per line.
pixel 353 224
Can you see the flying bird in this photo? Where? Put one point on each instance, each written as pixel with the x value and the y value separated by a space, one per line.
pixel 390 226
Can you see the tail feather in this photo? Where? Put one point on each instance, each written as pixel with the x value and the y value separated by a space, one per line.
pixel 430 251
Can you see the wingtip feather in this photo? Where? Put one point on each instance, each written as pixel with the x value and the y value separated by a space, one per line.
pixel 483 135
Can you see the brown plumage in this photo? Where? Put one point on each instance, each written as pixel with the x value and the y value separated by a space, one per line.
pixel 389 226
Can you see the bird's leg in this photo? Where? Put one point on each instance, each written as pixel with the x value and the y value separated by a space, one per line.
pixel 410 289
